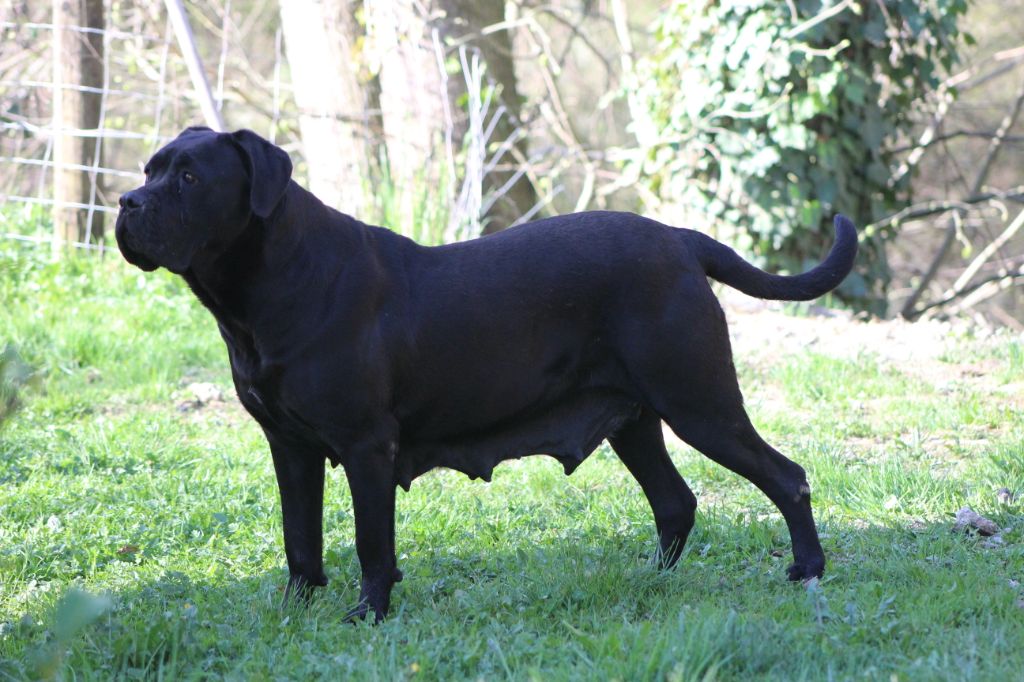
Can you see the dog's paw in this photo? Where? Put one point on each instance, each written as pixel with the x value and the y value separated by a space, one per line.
pixel 806 570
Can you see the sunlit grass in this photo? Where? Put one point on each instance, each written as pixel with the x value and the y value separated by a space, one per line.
pixel 139 539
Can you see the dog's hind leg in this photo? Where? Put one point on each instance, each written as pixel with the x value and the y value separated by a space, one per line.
pixel 640 445
pixel 684 371
pixel 723 432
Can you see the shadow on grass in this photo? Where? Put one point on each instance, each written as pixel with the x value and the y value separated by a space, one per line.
pixel 571 603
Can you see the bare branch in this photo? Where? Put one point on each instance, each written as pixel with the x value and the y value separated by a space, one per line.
pixel 969 78
pixel 984 134
pixel 818 18
pixel 957 84
pixel 930 208
pixel 187 43
pixel 576 33
pixel 908 311
pixel 1005 277
pixel 556 115
pixel 987 253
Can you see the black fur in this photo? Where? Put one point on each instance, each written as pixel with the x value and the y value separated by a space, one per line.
pixel 352 344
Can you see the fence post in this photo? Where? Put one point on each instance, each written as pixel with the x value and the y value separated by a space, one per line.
pixel 77 102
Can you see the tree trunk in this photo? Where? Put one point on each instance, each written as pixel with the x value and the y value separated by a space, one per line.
pixel 77 65
pixel 422 99
pixel 496 51
pixel 336 98
pixel 412 103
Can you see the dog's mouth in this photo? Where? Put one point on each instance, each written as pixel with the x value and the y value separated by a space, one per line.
pixel 127 243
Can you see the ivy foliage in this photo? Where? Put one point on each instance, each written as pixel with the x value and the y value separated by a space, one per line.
pixel 760 119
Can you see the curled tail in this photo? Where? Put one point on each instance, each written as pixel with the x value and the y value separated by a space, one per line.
pixel 724 265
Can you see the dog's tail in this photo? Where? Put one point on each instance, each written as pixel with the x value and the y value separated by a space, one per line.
pixel 724 265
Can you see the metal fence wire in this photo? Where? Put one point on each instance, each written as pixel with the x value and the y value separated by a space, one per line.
pixel 146 98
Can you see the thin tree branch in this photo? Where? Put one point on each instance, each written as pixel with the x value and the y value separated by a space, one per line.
pixel 986 253
pixel 1004 275
pixel 817 19
pixel 908 311
pixel 960 83
pixel 984 134
pixel 930 208
pixel 969 78
pixel 187 44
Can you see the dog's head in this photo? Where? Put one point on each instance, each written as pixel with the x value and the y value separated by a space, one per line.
pixel 202 189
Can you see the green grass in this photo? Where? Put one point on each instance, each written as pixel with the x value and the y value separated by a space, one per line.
pixel 138 540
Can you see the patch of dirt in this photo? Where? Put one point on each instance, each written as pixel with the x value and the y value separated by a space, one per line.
pixel 761 332
pixel 209 402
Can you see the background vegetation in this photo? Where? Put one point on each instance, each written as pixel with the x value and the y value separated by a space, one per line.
pixel 449 118
pixel 764 121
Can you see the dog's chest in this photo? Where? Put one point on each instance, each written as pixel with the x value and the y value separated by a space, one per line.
pixel 264 401
pixel 258 384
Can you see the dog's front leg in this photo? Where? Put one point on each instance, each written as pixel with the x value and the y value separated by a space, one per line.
pixel 300 479
pixel 372 482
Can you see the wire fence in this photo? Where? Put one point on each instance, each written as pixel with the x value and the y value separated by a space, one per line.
pixel 146 98
pixel 146 95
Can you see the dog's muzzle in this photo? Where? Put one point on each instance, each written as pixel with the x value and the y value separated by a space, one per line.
pixel 130 216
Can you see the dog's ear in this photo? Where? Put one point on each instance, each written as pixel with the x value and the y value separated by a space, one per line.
pixel 270 169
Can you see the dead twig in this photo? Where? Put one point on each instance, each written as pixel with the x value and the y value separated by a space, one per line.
pixel 986 253
pixel 909 307
pixel 984 134
pixel 957 84
pixel 930 208
pixel 980 291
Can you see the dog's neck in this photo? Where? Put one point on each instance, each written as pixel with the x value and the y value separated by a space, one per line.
pixel 276 259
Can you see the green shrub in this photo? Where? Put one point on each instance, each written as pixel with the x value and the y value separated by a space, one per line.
pixel 764 118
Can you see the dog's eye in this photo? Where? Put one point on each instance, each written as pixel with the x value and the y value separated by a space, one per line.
pixel 188 177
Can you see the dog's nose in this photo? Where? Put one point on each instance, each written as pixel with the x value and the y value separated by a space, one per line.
pixel 130 200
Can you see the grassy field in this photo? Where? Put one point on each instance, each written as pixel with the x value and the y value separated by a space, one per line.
pixel 140 532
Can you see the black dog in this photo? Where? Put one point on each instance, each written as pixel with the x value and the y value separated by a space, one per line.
pixel 351 343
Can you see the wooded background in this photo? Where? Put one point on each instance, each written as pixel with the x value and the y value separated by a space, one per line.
pixel 446 119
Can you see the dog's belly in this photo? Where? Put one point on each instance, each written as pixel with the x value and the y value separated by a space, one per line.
pixel 568 430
